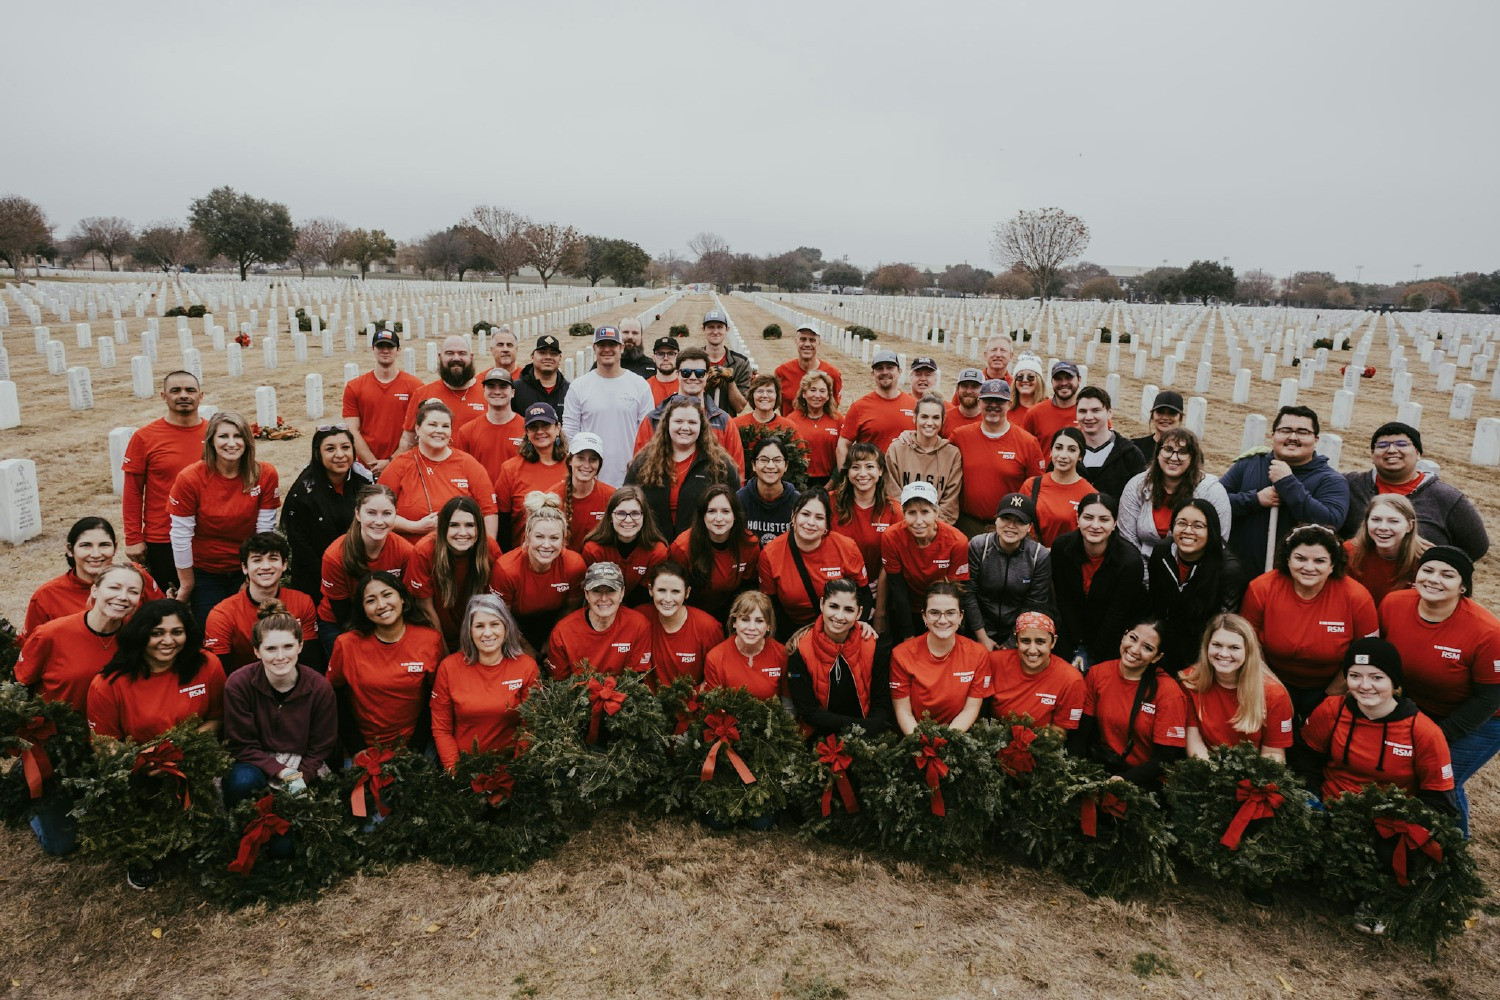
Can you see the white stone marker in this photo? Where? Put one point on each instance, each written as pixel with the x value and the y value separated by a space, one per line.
pixel 1242 385
pixel 1112 385
pixel 80 388
pixel 1140 364
pixel 1463 402
pixel 351 372
pixel 1169 370
pixel 1148 397
pixel 57 358
pixel 148 345
pixel 119 438
pixel 265 406
pixel 409 360
pixel 10 406
pixel 313 384
pixel 1288 395
pixel 142 380
pixel 1268 368
pixel 20 503
pixel 1254 434
pixel 1197 414
pixel 85 335
pixel 1305 374
pixel 234 359
pixel 268 349
pixel 1331 447
pixel 216 337
pixel 432 356
pixel 299 347
pixel 1486 449
pixel 192 361
pixel 1343 410
pixel 43 336
pixel 4 364
pixel 1447 373
pixel 106 352
pixel 1410 413
pixel 327 339
pixel 1400 388
pixel 1205 377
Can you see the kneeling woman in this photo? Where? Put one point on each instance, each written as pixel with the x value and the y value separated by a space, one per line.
pixel 681 636
pixel 836 678
pixel 629 538
pixel 542 580
pixel 476 698
pixel 611 637
pixel 749 658
pixel 940 674
pixel 1134 714
pixel 280 722
pixel 1232 696
pixel 1032 680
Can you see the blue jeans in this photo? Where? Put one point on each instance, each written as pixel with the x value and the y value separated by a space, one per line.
pixel 211 588
pixel 246 781
pixel 1470 753
pixel 1081 654
pixel 54 828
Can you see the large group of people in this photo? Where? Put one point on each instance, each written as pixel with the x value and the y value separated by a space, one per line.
pixel 1007 551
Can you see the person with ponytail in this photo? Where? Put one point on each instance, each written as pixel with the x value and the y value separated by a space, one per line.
pixel 370 544
pixel 835 677
pixel 61 658
pixel 628 537
pixel 478 691
pixel 90 550
pixel 541 581
pixel 720 554
pixel 1232 697
pixel 865 507
pixel 1031 680
pixel 228 632
pixel 681 636
pixel 1134 714
pixel 584 495
pixel 452 565
pixel 280 720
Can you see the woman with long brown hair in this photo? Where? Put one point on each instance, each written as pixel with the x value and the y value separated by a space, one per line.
pixel 536 469
pixel 1383 554
pixel 682 461
pixel 629 538
pixel 370 544
pixel 1175 474
pixel 720 554
pixel 452 565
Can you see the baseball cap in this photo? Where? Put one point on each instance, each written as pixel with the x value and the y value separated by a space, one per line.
pixel 586 441
pixel 884 358
pixel 540 413
pixel 1064 366
pixel 994 388
pixel 547 342
pixel 496 375
pixel 665 344
pixel 923 363
pixel 1168 400
pixel 1028 363
pixel 809 328
pixel 971 375
pixel 385 338
pixel 919 491
pixel 715 316
pixel 1017 506
pixel 607 335
pixel 602 575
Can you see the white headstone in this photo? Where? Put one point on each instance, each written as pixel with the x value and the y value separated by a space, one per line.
pixel 1305 374
pixel 1197 414
pixel 80 388
pixel 43 336
pixel 351 372
pixel 432 356
pixel 1112 385
pixel 299 347
pixel 326 337
pixel 1331 447
pixel 1140 364
pixel 85 335
pixel 1254 434
pixel 4 364
pixel 1169 370
pixel 1343 410
pixel 1463 402
pixel 57 358
pixel 148 345
pixel 10 406
pixel 1410 413
pixel 192 361
pixel 1486 449
pixel 409 360
pixel 1148 399
pixel 1446 375
pixel 1268 368
pixel 1401 388
pixel 216 335
pixel 313 384
pixel 268 350
pixel 20 502
pixel 1205 377
pixel 142 380
pixel 106 352
pixel 119 438
pixel 1242 386
pixel 1288 395
pixel 265 406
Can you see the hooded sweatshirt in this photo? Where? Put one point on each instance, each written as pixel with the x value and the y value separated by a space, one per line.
pixel 1444 515
pixel 1315 493
pixel 1405 748
pixel 942 466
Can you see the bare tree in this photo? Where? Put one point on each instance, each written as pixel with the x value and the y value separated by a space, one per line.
pixel 671 266
pixel 166 245
pixel 498 238
pixel 317 243
pixel 548 247
pixel 707 243
pixel 443 250
pixel 24 231
pixel 1040 243
pixel 109 236
pixel 1255 286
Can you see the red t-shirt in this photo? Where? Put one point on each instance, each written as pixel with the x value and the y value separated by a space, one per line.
pixel 418 580
pixel 67 595
pixel 154 456
pixel 940 685
pixel 625 645
pixel 878 420
pixel 1108 697
pixel 1057 506
pixel 790 374
pixel 834 557
pixel 1053 696
pixel 518 478
pixel 1046 418
pixel 682 653
pixel 142 710
pixel 1408 752
pixel 779 422
pixel 226 512
pixel 61 657
pixel 527 592
pixel 1089 567
pixel 946 557
pixel 422 485
pixel 661 390
pixel 994 467
pixel 1212 714
pixel 476 708
pixel 1378 575
pixel 1443 660
pixel 466 404
pixel 385 679
pixel 734 566
pixel 381 408
pixel 394 557
pixel 1405 489
pixel 588 512
pixel 1304 641
pixel 763 675
pixel 866 526
pixel 226 634
pixel 635 567
pixel 956 419
pixel 822 437
pixel 492 445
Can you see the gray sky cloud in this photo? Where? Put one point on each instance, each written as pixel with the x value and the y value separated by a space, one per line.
pixel 1285 136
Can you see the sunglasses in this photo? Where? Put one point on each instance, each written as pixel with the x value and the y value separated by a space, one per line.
pixel 324 428
pixel 692 372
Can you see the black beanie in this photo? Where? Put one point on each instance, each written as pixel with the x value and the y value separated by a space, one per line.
pixel 1375 652
pixel 1455 557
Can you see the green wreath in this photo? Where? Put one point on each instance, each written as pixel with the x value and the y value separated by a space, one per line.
pixel 385 804
pixel 1406 863
pixel 41 744
pixel 830 787
pixel 131 816
pixel 737 759
pixel 1037 773
pixel 1242 818
pixel 494 814
pixel 238 866
pixel 10 650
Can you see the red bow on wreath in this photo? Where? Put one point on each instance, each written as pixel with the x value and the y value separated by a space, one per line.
pixel 258 833
pixel 371 760
pixel 1016 756
pixel 690 710
pixel 1409 835
pixel 935 769
pixel 723 729
pixel 1255 803
pixel 165 758
pixel 35 763
pixel 1088 815
pixel 604 699
pixel 831 753
pixel 496 786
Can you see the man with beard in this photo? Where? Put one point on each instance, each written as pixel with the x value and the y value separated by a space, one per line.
pixel 633 357
pixel 503 349
pixel 1049 416
pixel 692 375
pixel 728 371
pixel 456 387
pixel 375 404
pixel 154 456
pixel 664 382
pixel 610 402
pixel 540 381
pixel 881 415
pixel 790 373
pixel 966 408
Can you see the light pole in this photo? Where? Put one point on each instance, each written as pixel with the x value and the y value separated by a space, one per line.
pixel 1359 273
pixel 1418 275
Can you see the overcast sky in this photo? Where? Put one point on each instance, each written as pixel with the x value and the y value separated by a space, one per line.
pixel 1284 136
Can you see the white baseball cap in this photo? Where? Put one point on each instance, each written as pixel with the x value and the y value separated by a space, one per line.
pixel 586 441
pixel 919 491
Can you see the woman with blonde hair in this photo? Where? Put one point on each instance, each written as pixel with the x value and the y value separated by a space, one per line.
pixel 1232 697
pixel 682 460
pixel 817 420
pixel 543 579
pixel 1383 554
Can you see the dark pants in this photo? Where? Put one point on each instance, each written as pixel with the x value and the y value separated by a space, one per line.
pixel 211 588
pixel 159 564
pixel 54 828
pixel 1304 700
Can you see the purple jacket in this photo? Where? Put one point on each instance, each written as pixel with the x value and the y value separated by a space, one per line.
pixel 257 726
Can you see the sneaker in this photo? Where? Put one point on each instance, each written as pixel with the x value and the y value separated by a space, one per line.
pixel 142 878
pixel 1260 895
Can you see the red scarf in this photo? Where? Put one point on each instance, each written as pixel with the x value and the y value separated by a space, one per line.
pixel 818 653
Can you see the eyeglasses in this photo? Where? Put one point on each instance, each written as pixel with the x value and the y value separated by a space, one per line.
pixel 1300 433
pixel 628 515
pixel 1176 453
pixel 1401 445
pixel 324 428
pixel 1192 526
pixel 770 460
pixel 693 372
pixel 940 615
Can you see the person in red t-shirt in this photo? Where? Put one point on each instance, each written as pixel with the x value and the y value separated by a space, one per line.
pixel 768 409
pixel 375 403
pixel 836 677
pixel 584 495
pixel 1029 385
pixel 215 505
pixel 370 544
pixel 1232 697
pixel 965 408
pixel 478 691
pixel 998 351
pixel 998 457
pixel 90 551
pixel 627 536
pixel 789 374
pixel 61 657
pixel 796 566
pixel 612 638
pixel 1057 491
pixel 227 633
pixel 1030 681
pixel 881 415
pixel 541 581
pixel 915 554
pixel 1384 551
pixel 817 421
pixel 456 389
pixel 426 476
pixel 720 554
pixel 1049 416
pixel 749 658
pixel 535 470
pixel 1134 714
pixel 940 673
pixel 154 456
pixel 495 438
pixel 382 669
pixel 681 636
pixel 864 510
pixel 452 565
pixel 665 382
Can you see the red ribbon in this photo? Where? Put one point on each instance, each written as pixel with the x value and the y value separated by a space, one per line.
pixel 933 766
pixel 723 729
pixel 1410 836
pixel 1255 803
pixel 690 709
pixel 831 753
pixel 35 763
pixel 604 699
pixel 1016 757
pixel 496 786
pixel 1088 816
pixel 258 833
pixel 371 760
pixel 165 758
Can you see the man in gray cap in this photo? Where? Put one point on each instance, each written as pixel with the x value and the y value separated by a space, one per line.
pixel 728 371
pixel 496 437
pixel 1049 416
pixel 609 401
pixel 879 416
pixel 789 373
pixel 999 456
pixel 965 408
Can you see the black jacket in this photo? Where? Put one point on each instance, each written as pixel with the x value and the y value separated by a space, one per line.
pixel 1119 468
pixel 1002 586
pixel 697 481
pixel 1213 586
pixel 313 516
pixel 1118 593
pixel 528 390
